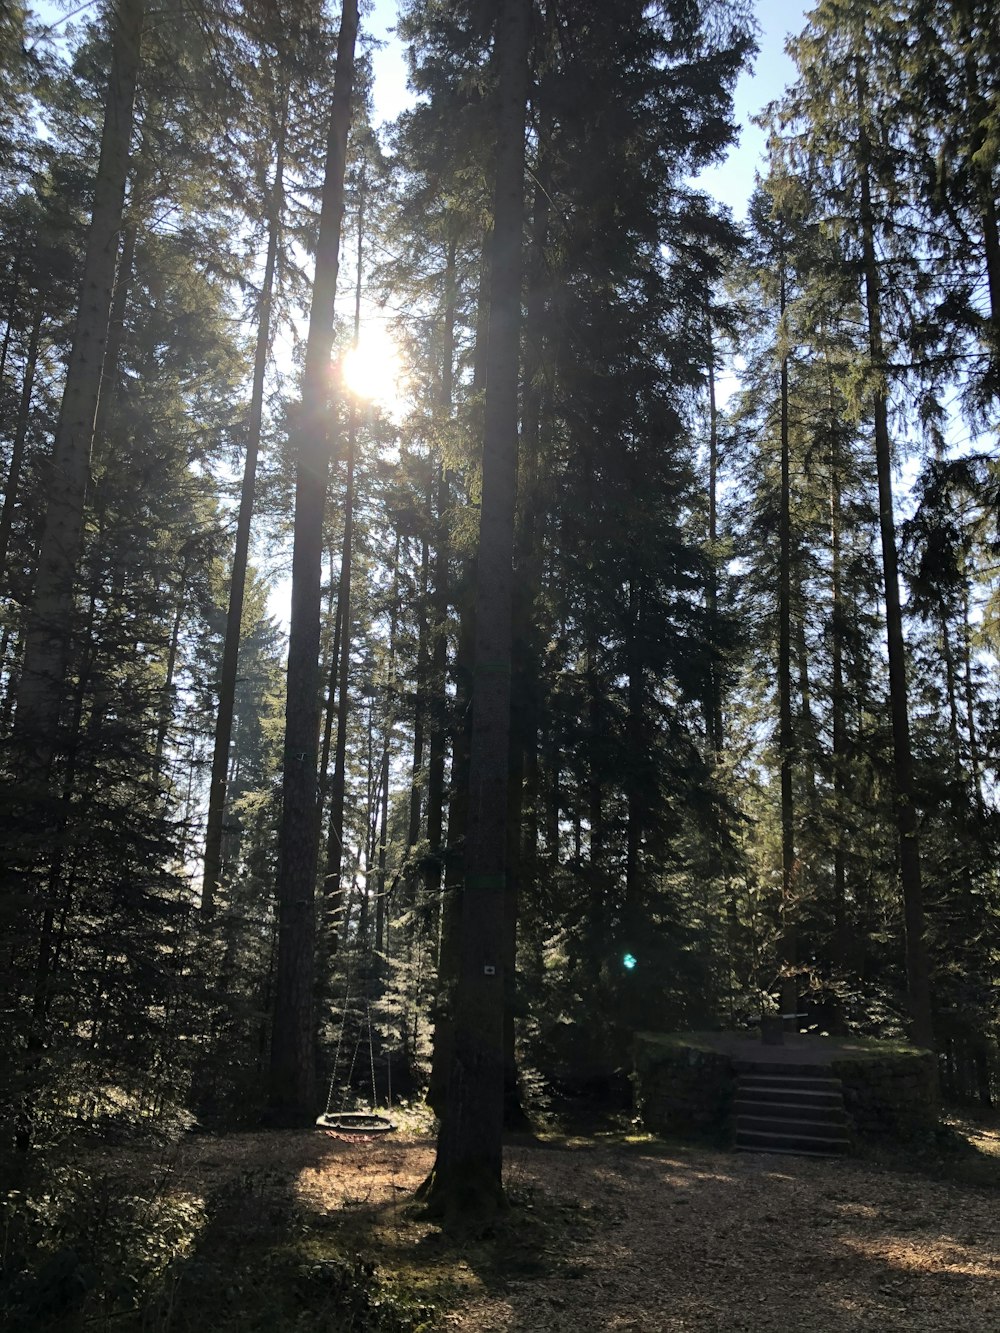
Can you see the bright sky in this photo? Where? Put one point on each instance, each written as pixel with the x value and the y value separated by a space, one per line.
pixel 733 181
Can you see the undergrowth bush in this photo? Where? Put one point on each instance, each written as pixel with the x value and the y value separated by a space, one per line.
pixel 81 1249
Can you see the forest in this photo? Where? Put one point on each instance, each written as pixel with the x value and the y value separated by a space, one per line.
pixel 465 596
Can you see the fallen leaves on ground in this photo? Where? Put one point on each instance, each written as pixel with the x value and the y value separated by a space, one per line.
pixel 641 1237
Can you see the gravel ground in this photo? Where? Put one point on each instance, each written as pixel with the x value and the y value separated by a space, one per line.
pixel 639 1238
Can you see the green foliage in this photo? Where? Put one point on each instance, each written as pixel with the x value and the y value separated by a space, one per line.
pixel 88 1247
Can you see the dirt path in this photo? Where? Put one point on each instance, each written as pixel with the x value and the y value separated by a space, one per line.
pixel 635 1239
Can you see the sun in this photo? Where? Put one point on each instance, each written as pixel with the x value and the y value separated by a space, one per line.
pixel 373 370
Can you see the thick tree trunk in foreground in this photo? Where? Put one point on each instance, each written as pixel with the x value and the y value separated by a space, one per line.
pixel 292 1073
pixel 917 970
pixel 524 666
pixel 451 897
pixel 47 638
pixel 466 1178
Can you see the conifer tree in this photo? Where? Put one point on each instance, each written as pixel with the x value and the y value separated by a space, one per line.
pixel 467 1171
pixel 829 99
pixel 292 1043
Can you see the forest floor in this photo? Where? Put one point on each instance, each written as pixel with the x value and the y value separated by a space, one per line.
pixel 605 1232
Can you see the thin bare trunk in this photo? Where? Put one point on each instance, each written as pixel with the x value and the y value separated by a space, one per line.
pixel 786 729
pixel 838 698
pixel 237 583
pixel 917 969
pixel 417 766
pixel 292 1073
pixel 167 693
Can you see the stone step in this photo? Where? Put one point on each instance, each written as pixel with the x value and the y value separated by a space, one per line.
pixel 769 1141
pixel 785 1108
pixel 790 1096
pixel 781 1067
pixel 789 1152
pixel 812 1082
pixel 766 1124
pixel 832 1111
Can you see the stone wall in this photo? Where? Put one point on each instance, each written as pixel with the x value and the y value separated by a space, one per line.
pixel 685 1089
pixel 892 1096
pixel 682 1090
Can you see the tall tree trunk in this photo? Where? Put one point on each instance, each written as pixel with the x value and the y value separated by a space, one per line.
pixel 338 784
pixel 524 668
pixel 917 969
pixel 635 796
pixel 714 716
pixel 342 631
pixel 12 304
pixel 438 703
pixel 47 637
pixel 167 692
pixel 467 1171
pixel 449 949
pixel 330 711
pixel 111 371
pixel 975 765
pixel 20 438
pixel 238 578
pixel 786 730
pixel 596 918
pixel 715 726
pixel 983 175
pixel 420 693
pixel 292 1073
pixel 837 697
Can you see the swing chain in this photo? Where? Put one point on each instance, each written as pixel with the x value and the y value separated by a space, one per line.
pixel 336 1058
pixel 371 1050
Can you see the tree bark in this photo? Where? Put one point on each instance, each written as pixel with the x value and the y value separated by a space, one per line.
pixel 439 630
pixel 237 583
pixel 837 698
pixel 292 1072
pixel 48 633
pixel 467 1173
pixel 523 720
pixel 338 784
pixel 917 969
pixel 419 707
pixel 342 631
pixel 20 438
pixel 786 728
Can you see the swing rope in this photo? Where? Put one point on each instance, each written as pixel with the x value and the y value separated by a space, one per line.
pixel 340 1039
pixel 350 1072
pixel 371 1050
pixel 375 1122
